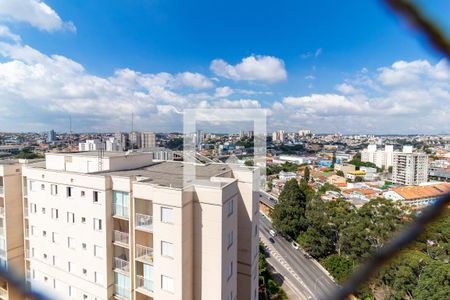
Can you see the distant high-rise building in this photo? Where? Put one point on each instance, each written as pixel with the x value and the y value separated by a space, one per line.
pixel 122 139
pixel 199 137
pixel 135 140
pixel 381 158
pixel 148 140
pixel 113 145
pixel 304 132
pixel 410 168
pixel 251 134
pixel 51 137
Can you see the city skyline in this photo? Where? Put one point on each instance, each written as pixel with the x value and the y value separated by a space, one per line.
pixel 82 60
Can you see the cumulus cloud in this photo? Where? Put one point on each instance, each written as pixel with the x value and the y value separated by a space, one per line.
pixel 261 68
pixel 195 80
pixel 223 91
pixel 34 12
pixel 6 33
pixel 346 88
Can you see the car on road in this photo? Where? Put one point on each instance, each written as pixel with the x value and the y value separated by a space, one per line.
pixel 295 245
pixel 306 255
pixel 271 240
pixel 273 232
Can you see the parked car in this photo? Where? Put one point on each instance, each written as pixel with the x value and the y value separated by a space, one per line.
pixel 273 233
pixel 295 245
pixel 271 240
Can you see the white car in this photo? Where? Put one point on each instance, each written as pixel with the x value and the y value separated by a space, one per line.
pixel 273 233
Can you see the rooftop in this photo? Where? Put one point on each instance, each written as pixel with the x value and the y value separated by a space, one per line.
pixel 418 192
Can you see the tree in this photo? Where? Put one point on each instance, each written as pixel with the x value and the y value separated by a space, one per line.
pixel 340 173
pixel 316 242
pixel 288 216
pixel 306 174
pixel 434 282
pixel 248 163
pixel 339 267
pixel 359 179
pixel 328 187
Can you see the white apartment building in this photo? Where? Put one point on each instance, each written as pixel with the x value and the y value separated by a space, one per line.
pixel 11 227
pixel 91 145
pixel 112 144
pixel 125 227
pixel 148 140
pixel 410 168
pixel 381 158
pixel 135 140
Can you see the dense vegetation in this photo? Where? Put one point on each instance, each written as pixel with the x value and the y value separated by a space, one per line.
pixel 266 283
pixel 341 237
pixel 27 154
pixel 286 167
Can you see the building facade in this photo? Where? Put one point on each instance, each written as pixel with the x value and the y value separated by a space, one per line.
pixel 410 168
pixel 131 228
pixel 11 226
pixel 148 140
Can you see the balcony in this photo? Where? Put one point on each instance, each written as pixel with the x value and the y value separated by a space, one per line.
pixel 144 222
pixel 121 238
pixel 121 292
pixel 120 211
pixel 3 253
pixel 121 265
pixel 143 284
pixel 2 190
pixel 28 253
pixel 2 231
pixel 144 254
pixel 2 211
pixel 25 211
pixel 3 293
pixel 27 233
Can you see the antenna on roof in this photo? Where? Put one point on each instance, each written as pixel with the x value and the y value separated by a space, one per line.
pixel 100 154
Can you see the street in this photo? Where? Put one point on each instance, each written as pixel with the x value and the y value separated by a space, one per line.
pixel 302 275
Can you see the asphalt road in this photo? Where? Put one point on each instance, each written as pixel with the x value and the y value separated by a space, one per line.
pixel 304 276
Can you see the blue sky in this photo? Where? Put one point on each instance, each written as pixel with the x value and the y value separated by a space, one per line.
pixel 347 66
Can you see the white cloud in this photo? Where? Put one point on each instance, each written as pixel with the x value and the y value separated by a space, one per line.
pixel 310 77
pixel 241 103
pixel 34 12
pixel 224 91
pixel 5 32
pixel 318 52
pixel 262 68
pixel 346 88
pixel 195 80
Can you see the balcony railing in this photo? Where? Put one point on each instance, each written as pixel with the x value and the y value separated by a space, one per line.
pixel 3 263
pixel 2 231
pixel 121 237
pixel 144 283
pixel 121 264
pixel 28 253
pixel 2 253
pixel 3 293
pixel 121 291
pixel 144 222
pixel 144 254
pixel 1 190
pixel 2 211
pixel 121 211
pixel 25 211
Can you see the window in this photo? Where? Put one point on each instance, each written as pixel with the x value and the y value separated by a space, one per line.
pixel 33 208
pixel 255 233
pixel 121 201
pixel 42 187
pixel 98 277
pixel 43 210
pixel 95 197
pixel 55 237
pixel 230 270
pixel 32 186
pixel 83 193
pixel 167 283
pixel 166 215
pixel 83 220
pixel 230 239
pixel 69 191
pixel 230 296
pixel 55 213
pixel 70 266
pixel 98 251
pixel 97 224
pixel 84 246
pixel 71 242
pixel 44 256
pixel 230 207
pixel 166 249
pixel 54 189
pixel 84 272
pixel 32 229
pixel 54 261
pixel 44 233
pixel 70 217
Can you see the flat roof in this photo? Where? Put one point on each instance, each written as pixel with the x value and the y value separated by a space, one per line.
pixel 107 154
pixel 170 173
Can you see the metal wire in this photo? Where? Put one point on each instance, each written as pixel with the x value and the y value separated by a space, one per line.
pixel 18 283
pixel 418 19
